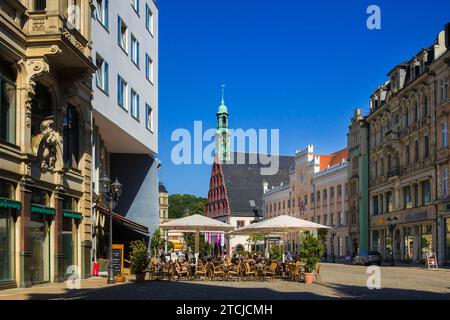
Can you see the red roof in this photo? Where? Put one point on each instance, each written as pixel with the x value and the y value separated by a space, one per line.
pixel 333 159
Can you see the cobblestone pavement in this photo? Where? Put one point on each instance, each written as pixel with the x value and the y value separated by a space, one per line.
pixel 338 282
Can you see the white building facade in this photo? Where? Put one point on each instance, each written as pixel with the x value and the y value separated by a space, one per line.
pixel 125 106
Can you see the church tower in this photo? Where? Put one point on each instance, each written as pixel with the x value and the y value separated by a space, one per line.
pixel 222 134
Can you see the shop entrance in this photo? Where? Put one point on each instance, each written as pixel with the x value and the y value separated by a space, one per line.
pixel 40 258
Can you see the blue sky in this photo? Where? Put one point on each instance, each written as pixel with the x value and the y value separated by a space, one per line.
pixel 297 66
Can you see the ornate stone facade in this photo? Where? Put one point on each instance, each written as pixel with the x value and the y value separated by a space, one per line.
pixel 45 156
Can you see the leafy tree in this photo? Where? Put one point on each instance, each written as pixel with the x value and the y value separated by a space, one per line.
pixel 310 252
pixel 276 252
pixel 182 205
pixel 204 247
pixel 156 242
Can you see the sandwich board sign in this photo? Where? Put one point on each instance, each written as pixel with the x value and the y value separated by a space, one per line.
pixel 432 260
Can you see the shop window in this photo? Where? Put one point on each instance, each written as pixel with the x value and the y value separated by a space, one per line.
pixel 69 241
pixel 6 245
pixel 408 244
pixel 40 249
pixel 71 137
pixel 426 240
pixel 7 106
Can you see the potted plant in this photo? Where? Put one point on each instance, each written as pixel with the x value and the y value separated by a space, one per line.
pixel 310 252
pixel 139 259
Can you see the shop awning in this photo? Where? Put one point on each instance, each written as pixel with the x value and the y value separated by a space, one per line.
pixel 8 203
pixel 36 208
pixel 72 214
pixel 136 227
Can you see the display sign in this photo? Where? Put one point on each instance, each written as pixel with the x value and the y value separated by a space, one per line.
pixel 117 259
pixel 432 260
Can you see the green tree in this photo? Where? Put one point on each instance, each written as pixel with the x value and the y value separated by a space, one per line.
pixel 181 205
pixel 310 252
pixel 204 247
pixel 156 242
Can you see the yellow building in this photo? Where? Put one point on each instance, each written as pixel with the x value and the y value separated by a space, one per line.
pixel 45 148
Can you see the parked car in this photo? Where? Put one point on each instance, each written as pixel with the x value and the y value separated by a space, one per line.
pixel 373 257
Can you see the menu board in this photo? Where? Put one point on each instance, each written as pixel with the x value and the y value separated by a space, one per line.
pixel 117 259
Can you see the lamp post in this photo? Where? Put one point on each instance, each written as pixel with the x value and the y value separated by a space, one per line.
pixel 111 193
pixel 392 226
pixel 333 234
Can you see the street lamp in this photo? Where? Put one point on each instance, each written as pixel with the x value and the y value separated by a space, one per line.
pixel 333 234
pixel 111 193
pixel 392 226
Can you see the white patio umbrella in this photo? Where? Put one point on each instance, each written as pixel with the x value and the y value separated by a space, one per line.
pixel 196 224
pixel 280 224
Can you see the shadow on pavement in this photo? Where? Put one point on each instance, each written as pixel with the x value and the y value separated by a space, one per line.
pixel 173 290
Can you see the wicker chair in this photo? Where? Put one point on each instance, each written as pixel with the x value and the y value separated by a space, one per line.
pixel 248 272
pixel 318 277
pixel 181 271
pixel 234 272
pixel 214 271
pixel 296 272
pixel 200 271
pixel 271 270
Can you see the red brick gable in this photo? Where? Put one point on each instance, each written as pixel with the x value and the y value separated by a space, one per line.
pixel 218 203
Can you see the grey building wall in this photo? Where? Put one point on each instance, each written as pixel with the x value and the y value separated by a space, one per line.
pixel 138 173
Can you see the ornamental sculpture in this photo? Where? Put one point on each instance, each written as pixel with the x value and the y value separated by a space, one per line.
pixel 50 141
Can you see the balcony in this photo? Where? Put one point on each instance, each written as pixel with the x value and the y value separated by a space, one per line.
pixel 394 172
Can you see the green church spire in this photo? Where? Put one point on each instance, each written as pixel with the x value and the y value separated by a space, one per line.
pixel 222 134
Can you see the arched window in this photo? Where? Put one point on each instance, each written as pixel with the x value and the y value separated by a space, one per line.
pixel 40 109
pixel 7 105
pixel 71 137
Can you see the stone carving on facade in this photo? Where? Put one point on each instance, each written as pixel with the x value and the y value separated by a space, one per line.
pixel 38 24
pixel 35 68
pixel 48 145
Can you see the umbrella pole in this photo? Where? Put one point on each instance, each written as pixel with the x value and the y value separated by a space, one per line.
pixel 197 245
pixel 266 249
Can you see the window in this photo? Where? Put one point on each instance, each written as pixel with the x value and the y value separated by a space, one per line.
pixel 134 104
pixel 332 193
pixel 135 5
pixel 444 90
pixel 134 50
pixel 122 34
pixel 122 93
pixel 445 182
pixel 406 119
pixel 74 13
pixel 40 5
pixel 425 106
pixel 444 132
pixel 318 195
pixel 325 194
pixel 103 12
pixel 313 199
pixel 375 167
pixel 426 147
pixel 7 108
pixel 416 150
pixel 407 201
pixel 148 68
pixel 375 205
pixel 71 137
pixel 102 74
pixel 149 117
pixel 426 192
pixel 389 202
pixel 407 155
pixel 382 166
pixel 416 112
pixel 240 224
pixel 149 19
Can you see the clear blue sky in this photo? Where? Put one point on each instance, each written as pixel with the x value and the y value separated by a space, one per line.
pixel 292 65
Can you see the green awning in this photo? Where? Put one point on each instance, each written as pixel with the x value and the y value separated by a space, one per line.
pixel 72 214
pixel 36 208
pixel 8 203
